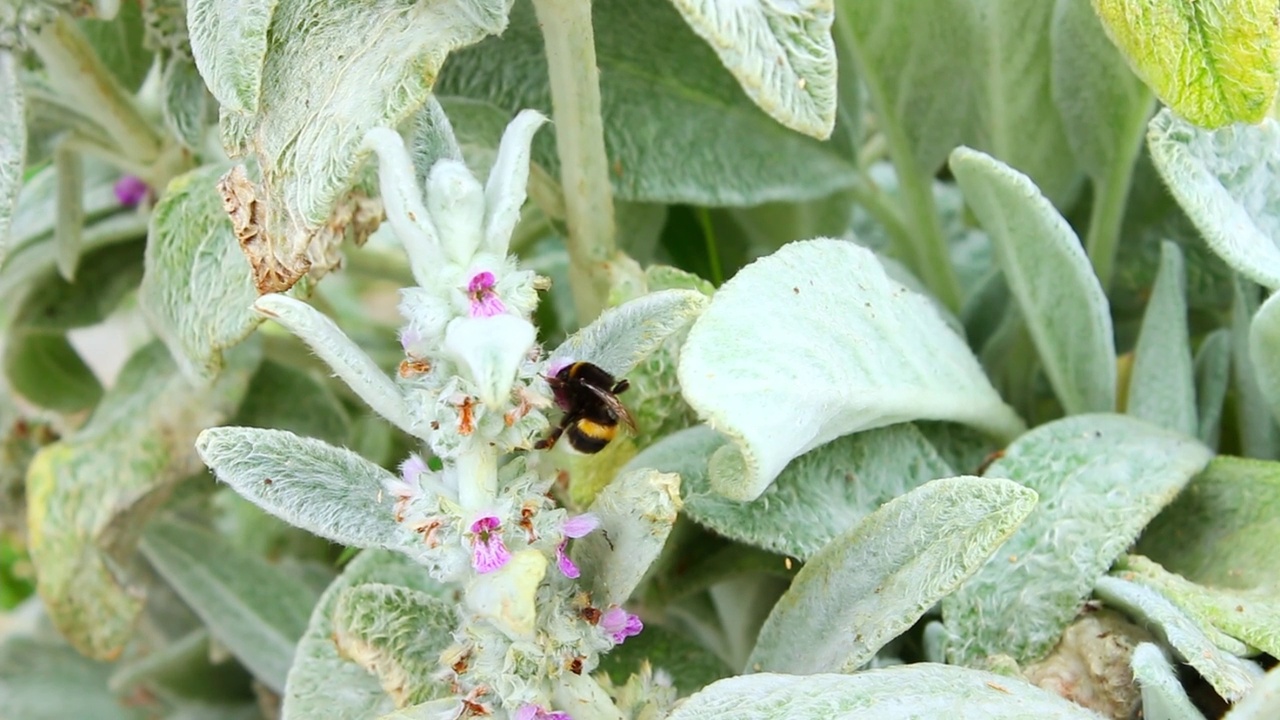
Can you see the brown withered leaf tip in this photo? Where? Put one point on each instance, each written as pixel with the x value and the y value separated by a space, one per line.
pixel 240 199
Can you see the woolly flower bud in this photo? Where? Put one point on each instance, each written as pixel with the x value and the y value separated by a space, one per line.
pixel 490 350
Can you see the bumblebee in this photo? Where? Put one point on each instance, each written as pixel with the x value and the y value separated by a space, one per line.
pixel 588 395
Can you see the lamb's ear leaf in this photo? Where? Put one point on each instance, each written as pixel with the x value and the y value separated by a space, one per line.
pixel 45 678
pixel 895 693
pixel 397 634
pixel 329 491
pixel 1170 45
pixel 885 357
pixel 1221 532
pixel 1061 300
pixel 316 103
pixel 321 682
pixel 251 607
pixel 13 143
pixel 1213 376
pixel 1161 384
pixel 1162 693
pixel 887 572
pixel 1221 179
pixel 82 521
pixel 625 335
pixel 1230 676
pixel 1101 478
pixel 658 79
pixel 1235 620
pixel 191 237
pixel 229 44
pixel 781 54
pixel 817 497
pixel 636 513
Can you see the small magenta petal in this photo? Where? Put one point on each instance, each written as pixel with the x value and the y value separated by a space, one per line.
pixel 488 551
pixel 481 281
pixel 567 568
pixel 131 190
pixel 484 299
pixel 579 525
pixel 620 624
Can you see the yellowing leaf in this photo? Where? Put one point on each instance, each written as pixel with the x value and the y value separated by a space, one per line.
pixel 1213 61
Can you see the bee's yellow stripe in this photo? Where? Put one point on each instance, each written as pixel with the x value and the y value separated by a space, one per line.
pixel 596 431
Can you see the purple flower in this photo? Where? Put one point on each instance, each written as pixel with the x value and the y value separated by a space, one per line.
pixel 488 552
pixel 574 527
pixel 409 336
pixel 535 712
pixel 411 471
pixel 555 366
pixel 620 624
pixel 408 486
pixel 484 299
pixel 579 525
pixel 131 190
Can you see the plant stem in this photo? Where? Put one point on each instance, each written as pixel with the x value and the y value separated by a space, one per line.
pixel 1111 194
pixel 928 245
pixel 869 195
pixel 584 168
pixel 713 251
pixel 477 479
pixel 77 73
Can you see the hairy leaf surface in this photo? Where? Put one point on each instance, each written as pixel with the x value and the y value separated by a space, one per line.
pixel 198 288
pixel 874 582
pixel 844 349
pixel 1101 478
pixel 1062 303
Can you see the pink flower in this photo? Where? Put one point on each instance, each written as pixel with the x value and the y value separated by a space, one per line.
pixel 484 299
pixel 409 336
pixel 555 366
pixel 574 527
pixel 131 190
pixel 535 712
pixel 488 552
pixel 411 471
pixel 620 624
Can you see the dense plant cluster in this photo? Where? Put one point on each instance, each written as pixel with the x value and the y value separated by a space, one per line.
pixel 639 359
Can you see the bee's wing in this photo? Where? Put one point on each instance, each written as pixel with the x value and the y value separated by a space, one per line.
pixel 611 401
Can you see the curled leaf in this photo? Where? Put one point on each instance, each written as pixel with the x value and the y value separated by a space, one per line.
pixel 843 348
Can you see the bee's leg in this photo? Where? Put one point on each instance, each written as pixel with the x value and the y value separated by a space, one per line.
pixel 554 435
pixel 620 386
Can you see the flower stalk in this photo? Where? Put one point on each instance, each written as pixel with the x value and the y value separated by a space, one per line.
pixel 584 168
pixel 472 387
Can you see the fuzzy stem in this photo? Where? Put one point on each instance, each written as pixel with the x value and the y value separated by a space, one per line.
pixel 928 245
pixel 477 479
pixel 584 168
pixel 77 73
pixel 1111 196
